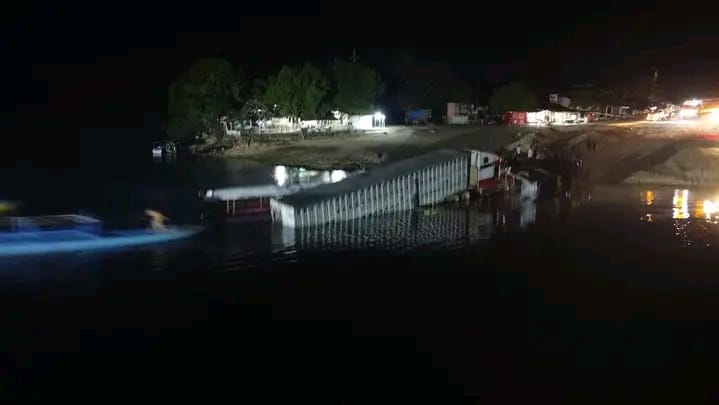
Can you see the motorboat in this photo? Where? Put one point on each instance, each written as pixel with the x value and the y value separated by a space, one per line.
pixel 23 236
pixel 160 149
pixel 157 149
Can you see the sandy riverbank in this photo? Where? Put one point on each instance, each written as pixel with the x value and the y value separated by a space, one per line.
pixel 349 151
pixel 646 154
pixel 632 153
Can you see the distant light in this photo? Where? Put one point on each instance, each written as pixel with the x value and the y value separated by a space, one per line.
pixel 281 175
pixel 710 207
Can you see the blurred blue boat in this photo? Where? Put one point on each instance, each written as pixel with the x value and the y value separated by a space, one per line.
pixel 20 236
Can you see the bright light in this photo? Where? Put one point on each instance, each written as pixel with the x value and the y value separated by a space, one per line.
pixel 712 116
pixel 650 197
pixel 693 102
pixel 378 116
pixel 209 193
pixel 337 175
pixel 710 207
pixel 688 112
pixel 281 175
pixel 681 204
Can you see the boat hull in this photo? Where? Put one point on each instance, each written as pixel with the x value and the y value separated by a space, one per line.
pixel 46 242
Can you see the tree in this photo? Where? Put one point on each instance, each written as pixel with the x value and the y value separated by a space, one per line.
pixel 585 96
pixel 297 91
pixel 207 92
pixel 356 87
pixel 429 84
pixel 513 97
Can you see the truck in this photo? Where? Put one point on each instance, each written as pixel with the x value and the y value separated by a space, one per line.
pixel 413 117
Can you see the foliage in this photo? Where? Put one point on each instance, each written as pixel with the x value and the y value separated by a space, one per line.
pixel 428 84
pixel 356 87
pixel 513 97
pixel 298 91
pixel 259 87
pixel 587 96
pixel 208 91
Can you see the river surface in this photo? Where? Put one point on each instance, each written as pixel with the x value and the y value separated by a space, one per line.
pixel 603 296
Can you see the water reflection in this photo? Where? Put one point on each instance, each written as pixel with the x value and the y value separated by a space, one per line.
pixel 446 227
pixel 694 214
pixel 649 197
pixel 281 175
pixel 284 175
pixel 680 203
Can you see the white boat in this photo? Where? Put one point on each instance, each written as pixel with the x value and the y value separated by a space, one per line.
pixel 160 149
pixel 157 149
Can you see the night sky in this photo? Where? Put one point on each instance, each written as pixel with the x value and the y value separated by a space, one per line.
pixel 113 67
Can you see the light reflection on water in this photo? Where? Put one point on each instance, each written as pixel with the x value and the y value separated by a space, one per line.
pixel 242 245
pixel 443 227
pixel 284 175
pixel 694 213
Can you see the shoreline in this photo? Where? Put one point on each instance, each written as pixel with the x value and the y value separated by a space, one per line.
pixel 350 151
pixel 634 155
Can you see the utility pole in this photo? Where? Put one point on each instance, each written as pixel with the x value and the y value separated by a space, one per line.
pixel 652 91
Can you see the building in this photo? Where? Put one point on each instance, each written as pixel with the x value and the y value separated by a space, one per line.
pixel 462 113
pixel 561 100
pixel 552 114
pixel 367 121
pixel 515 117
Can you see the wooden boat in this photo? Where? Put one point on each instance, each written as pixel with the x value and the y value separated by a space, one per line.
pixel 22 236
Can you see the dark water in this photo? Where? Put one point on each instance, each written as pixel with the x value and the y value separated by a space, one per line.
pixel 605 297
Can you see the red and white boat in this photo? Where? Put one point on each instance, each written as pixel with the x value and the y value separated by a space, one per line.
pixel 249 200
pixel 254 200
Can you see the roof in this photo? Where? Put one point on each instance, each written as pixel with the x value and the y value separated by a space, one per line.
pixel 372 177
pixel 556 108
pixel 247 192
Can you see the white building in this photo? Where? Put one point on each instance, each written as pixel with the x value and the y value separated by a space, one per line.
pixel 462 113
pixel 367 121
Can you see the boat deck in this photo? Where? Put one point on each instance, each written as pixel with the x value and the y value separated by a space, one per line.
pixel 45 236
pixel 49 223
